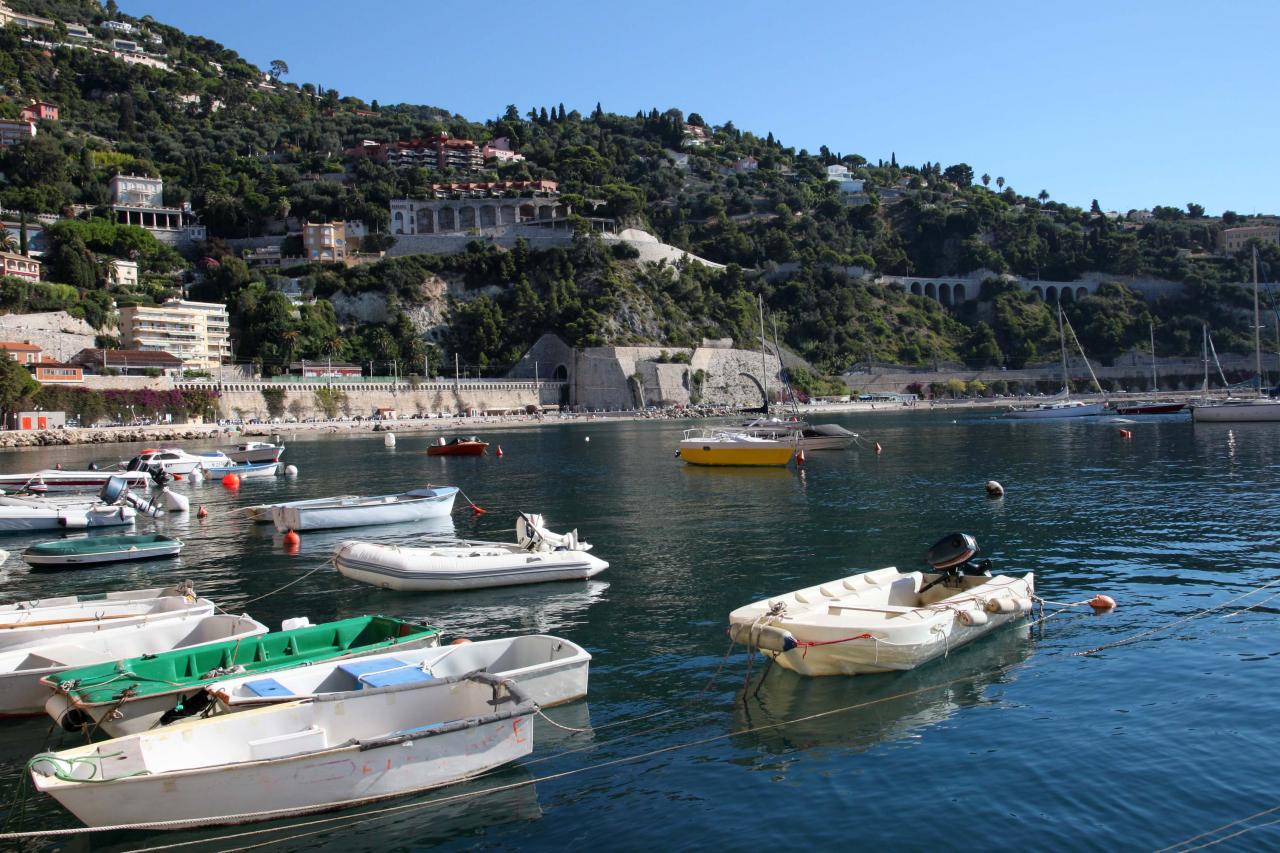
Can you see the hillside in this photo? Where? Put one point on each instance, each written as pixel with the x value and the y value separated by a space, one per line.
pixel 255 155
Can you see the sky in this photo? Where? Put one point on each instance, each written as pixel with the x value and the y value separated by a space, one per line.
pixel 1131 103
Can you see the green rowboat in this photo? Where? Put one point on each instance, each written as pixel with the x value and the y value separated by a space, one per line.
pixel 83 551
pixel 134 695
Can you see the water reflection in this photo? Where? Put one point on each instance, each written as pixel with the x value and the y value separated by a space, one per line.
pixel 894 706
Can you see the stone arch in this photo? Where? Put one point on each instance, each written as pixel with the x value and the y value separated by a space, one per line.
pixel 561 211
pixel 957 293
pixel 1066 295
pixel 397 222
pixel 1039 294
pixel 944 293
pixel 426 221
pixel 915 288
pixel 466 218
pixel 546 212
pixel 560 374
pixel 1051 294
pixel 527 213
pixel 1081 292
pixel 508 214
pixel 488 216
pixel 448 219
pixel 931 291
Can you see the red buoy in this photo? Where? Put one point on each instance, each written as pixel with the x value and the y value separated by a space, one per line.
pixel 177 477
pixel 231 481
pixel 1124 433
pixel 292 539
pixel 202 512
pixel 1102 602
pixel 461 641
pixel 800 456
pixel 499 451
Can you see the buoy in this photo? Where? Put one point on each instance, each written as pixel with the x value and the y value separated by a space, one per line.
pixel 499 451
pixel 174 502
pixel 389 440
pixel 1124 433
pixel 177 477
pixel 461 641
pixel 878 448
pixel 800 456
pixel 195 476
pixel 1102 602
pixel 292 539
pixel 291 470
pixel 202 512
pixel 588 438
pixel 994 489
pixel 231 481
pixel 291 550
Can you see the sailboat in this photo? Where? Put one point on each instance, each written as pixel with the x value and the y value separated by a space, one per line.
pixel 1151 408
pixel 1253 410
pixel 1061 405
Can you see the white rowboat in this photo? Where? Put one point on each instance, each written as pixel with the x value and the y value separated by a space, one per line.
pixel 414 505
pixel 536 556
pixel 550 670
pixel 21 692
pixel 44 625
pixel 337 750
pixel 55 480
pixel 261 513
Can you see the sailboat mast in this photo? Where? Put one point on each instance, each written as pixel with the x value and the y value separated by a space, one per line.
pixel 791 392
pixel 1062 343
pixel 1257 325
pixel 1152 327
pixel 1204 331
pixel 764 355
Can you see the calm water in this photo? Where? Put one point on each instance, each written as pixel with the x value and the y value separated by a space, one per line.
pixel 1011 742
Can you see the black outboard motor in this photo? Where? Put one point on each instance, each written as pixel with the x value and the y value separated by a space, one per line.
pixel 134 464
pixel 952 556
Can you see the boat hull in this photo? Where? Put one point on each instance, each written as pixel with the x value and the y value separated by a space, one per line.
pixel 258 454
pixel 844 627
pixel 470 448
pixel 246 471
pixel 382 747
pixel 704 453
pixel 1055 412
pixel 425 570
pixel 362 514
pixel 1151 409
pixel 112 549
pixel 1264 411
pixel 73 481
pixel 13 518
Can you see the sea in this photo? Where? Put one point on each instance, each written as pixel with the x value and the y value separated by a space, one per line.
pixel 1162 740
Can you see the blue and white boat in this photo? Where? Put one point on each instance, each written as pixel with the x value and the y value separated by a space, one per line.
pixel 219 465
pixel 414 505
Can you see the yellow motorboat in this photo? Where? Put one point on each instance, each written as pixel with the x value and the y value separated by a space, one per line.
pixel 724 447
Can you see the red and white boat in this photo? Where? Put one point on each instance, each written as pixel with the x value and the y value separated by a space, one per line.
pixel 470 446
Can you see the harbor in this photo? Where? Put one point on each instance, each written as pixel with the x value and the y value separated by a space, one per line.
pixel 1156 522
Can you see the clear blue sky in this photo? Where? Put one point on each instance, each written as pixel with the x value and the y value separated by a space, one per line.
pixel 1132 103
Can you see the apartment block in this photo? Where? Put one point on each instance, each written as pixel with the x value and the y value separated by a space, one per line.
pixel 196 332
pixel 325 241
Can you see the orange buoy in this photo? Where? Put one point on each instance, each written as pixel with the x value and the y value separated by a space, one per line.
pixel 231 481
pixel 292 539
pixel 202 512
pixel 499 451
pixel 177 477
pixel 461 641
pixel 1102 602
pixel 800 456
pixel 1124 433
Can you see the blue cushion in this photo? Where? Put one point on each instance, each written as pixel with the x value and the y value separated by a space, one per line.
pixel 266 687
pixel 384 672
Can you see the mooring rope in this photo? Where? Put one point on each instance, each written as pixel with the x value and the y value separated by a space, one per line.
pixel 1182 847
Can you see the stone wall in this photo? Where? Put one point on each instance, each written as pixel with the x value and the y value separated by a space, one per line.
pixel 56 332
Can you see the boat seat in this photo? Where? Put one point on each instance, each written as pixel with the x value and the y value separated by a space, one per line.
pixel 267 688
pixel 384 673
pixel 891 609
pixel 828 593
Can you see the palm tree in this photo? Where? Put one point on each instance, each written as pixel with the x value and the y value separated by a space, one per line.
pixel 1043 196
pixel 1000 183
pixel 986 179
pixel 7 243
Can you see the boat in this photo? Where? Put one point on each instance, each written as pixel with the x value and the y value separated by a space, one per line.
pixel 126 696
pixel 33 513
pixel 1151 409
pixel 414 505
pixel 261 513
pixel 170 460
pixel 1257 409
pixel 335 751
pixel 885 620
pixel 537 555
pixel 254 451
pixel 243 470
pixel 1061 405
pixel 801 434
pixel 470 446
pixel 703 446
pixel 44 625
pixel 90 600
pixel 57 480
pixel 549 670
pixel 93 550
pixel 24 689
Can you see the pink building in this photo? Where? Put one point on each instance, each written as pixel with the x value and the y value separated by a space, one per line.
pixel 40 111
pixel 19 266
pixel 500 149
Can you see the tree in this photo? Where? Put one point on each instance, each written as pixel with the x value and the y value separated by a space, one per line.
pixel 961 174
pixel 1043 195
pixel 279 68
pixel 1195 211
pixel 7 243
pixel 16 385
pixel 986 179
pixel 1000 183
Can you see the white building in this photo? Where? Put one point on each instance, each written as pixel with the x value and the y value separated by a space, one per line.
pixel 124 273
pixel 139 200
pixel 78 31
pixel 196 332
pixel 119 26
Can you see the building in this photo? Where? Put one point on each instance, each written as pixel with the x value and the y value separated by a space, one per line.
pixel 695 135
pixel 38 420
pixel 746 164
pixel 126 46
pixel 78 31
pixel 1232 240
pixel 126 362
pixel 500 149
pixel 139 200
pixel 324 242
pixel 119 26
pixel 434 152
pixel 323 368
pixel 50 372
pixel 124 273
pixel 19 266
pixel 17 19
pixel 14 131
pixel 197 333
pixel 480 208
pixel 40 111
pixel 23 352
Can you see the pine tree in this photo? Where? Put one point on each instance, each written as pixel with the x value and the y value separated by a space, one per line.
pixel 598 112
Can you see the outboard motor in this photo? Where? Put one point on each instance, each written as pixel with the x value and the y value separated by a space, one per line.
pixel 113 489
pixel 133 464
pixel 952 557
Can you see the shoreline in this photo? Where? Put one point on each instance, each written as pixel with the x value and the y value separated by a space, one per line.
pixel 15 439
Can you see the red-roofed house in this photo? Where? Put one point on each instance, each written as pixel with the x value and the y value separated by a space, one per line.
pixel 23 352
pixel 19 265
pixel 40 111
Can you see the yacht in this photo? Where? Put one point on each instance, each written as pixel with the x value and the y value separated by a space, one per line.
pixel 729 447
pixel 802 434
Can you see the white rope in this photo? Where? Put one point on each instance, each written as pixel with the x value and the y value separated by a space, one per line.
pixel 1181 845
